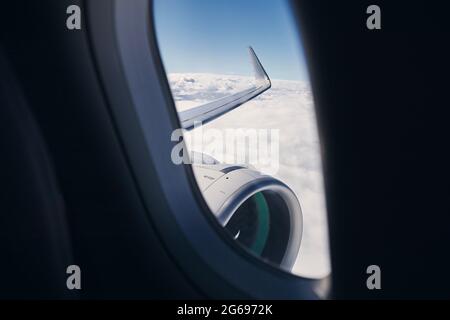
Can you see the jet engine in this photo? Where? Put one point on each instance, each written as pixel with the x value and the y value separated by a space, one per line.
pixel 260 212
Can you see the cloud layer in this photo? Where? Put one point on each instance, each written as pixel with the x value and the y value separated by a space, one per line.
pixel 287 106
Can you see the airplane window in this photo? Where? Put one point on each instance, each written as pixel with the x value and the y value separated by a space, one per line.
pixel 241 88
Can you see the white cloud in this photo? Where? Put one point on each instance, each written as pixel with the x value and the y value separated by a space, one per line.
pixel 287 106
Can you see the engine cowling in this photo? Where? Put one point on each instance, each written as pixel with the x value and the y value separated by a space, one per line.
pixel 262 213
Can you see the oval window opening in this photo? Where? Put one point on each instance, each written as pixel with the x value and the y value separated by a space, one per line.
pixel 241 88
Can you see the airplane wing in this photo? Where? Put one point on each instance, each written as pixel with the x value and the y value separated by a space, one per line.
pixel 212 110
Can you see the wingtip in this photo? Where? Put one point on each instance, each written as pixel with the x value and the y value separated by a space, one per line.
pixel 258 69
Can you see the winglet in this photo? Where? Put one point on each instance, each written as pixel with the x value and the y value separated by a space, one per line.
pixel 258 69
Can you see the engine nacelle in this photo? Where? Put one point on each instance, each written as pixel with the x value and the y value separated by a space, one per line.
pixel 262 213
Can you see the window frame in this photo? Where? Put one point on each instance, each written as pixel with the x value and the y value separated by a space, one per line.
pixel 123 41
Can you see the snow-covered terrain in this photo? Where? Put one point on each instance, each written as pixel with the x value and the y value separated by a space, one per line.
pixel 288 107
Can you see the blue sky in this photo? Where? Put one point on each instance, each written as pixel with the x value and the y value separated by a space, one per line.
pixel 213 35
